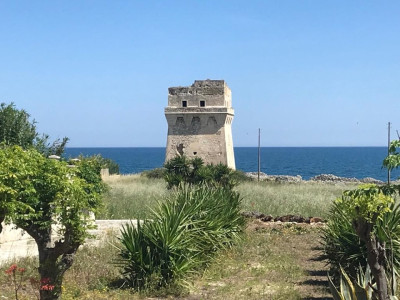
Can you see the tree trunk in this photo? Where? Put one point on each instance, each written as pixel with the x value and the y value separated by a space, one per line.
pixel 2 217
pixel 376 256
pixel 55 258
pixel 376 261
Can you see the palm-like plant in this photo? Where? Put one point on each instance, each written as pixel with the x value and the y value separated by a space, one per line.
pixel 184 233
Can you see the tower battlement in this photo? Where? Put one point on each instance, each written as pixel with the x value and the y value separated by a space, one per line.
pixel 199 122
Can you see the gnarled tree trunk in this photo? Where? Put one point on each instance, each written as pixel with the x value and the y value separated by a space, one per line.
pixel 376 256
pixel 55 258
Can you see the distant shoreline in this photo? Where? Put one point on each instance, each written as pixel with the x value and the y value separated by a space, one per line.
pixel 163 147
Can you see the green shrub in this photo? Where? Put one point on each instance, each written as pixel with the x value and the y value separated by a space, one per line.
pixel 105 163
pixel 343 247
pixel 184 233
pixel 193 171
pixel 157 173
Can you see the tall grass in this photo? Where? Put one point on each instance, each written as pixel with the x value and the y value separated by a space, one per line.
pixel 277 199
pixel 131 197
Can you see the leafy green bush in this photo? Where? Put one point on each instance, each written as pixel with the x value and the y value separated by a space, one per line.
pixel 104 163
pixel 193 171
pixel 184 233
pixel 344 248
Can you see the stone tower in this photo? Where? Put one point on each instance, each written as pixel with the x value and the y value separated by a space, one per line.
pixel 200 122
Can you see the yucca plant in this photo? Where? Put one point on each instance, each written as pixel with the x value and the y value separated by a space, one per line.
pixel 184 233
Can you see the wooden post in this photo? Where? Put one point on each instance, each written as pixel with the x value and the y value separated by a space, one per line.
pixel 259 157
pixel 388 179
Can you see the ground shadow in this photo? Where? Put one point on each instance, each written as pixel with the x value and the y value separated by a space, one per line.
pixel 316 272
pixel 317 298
pixel 315 282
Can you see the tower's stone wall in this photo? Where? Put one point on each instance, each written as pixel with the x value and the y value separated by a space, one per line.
pixel 199 122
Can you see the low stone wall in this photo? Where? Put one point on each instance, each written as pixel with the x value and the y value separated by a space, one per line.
pixel 11 234
pixel 16 243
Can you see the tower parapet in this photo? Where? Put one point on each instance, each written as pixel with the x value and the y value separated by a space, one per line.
pixel 200 122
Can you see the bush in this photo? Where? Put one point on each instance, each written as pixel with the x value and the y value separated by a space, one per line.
pixel 105 163
pixel 343 247
pixel 157 173
pixel 184 233
pixel 193 171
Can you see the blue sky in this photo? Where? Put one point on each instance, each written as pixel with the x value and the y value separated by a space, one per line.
pixel 308 73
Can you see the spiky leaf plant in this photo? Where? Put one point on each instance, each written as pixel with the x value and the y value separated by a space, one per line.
pixel 184 233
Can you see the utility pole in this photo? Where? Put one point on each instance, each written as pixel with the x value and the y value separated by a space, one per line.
pixel 259 152
pixel 388 179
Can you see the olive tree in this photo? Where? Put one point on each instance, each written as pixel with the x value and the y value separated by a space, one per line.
pixel 51 202
pixel 16 128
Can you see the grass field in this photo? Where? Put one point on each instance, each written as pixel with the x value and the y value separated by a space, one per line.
pixel 132 196
pixel 271 262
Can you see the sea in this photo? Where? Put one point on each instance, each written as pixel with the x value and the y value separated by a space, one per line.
pixel 350 162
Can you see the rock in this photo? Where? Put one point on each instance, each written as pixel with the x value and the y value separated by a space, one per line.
pixel 267 218
pixel 274 178
pixel 371 180
pixel 332 178
pixel 291 218
pixel 316 220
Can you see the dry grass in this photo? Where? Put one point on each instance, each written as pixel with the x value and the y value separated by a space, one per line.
pixel 271 262
pixel 131 196
pixel 277 199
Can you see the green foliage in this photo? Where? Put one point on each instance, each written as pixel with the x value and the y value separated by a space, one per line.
pixel 392 161
pixel 361 289
pixel 112 166
pixel 351 289
pixel 101 163
pixel 43 145
pixel 193 171
pixel 157 173
pixel 365 218
pixel 17 129
pixel 15 126
pixel 344 248
pixel 184 233
pixel 37 193
pixel 367 202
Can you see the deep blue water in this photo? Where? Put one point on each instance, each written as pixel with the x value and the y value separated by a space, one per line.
pixel 358 162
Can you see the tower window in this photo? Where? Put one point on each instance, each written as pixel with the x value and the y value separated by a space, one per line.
pixel 184 103
pixel 202 103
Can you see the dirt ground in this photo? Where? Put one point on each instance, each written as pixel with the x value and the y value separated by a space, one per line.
pixel 287 261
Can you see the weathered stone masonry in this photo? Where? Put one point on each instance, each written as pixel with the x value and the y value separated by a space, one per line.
pixel 200 122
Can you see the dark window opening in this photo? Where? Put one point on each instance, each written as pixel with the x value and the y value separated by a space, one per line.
pixel 184 103
pixel 202 103
pixel 194 153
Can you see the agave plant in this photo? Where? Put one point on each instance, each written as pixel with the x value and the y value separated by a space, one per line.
pixel 184 233
pixel 360 289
